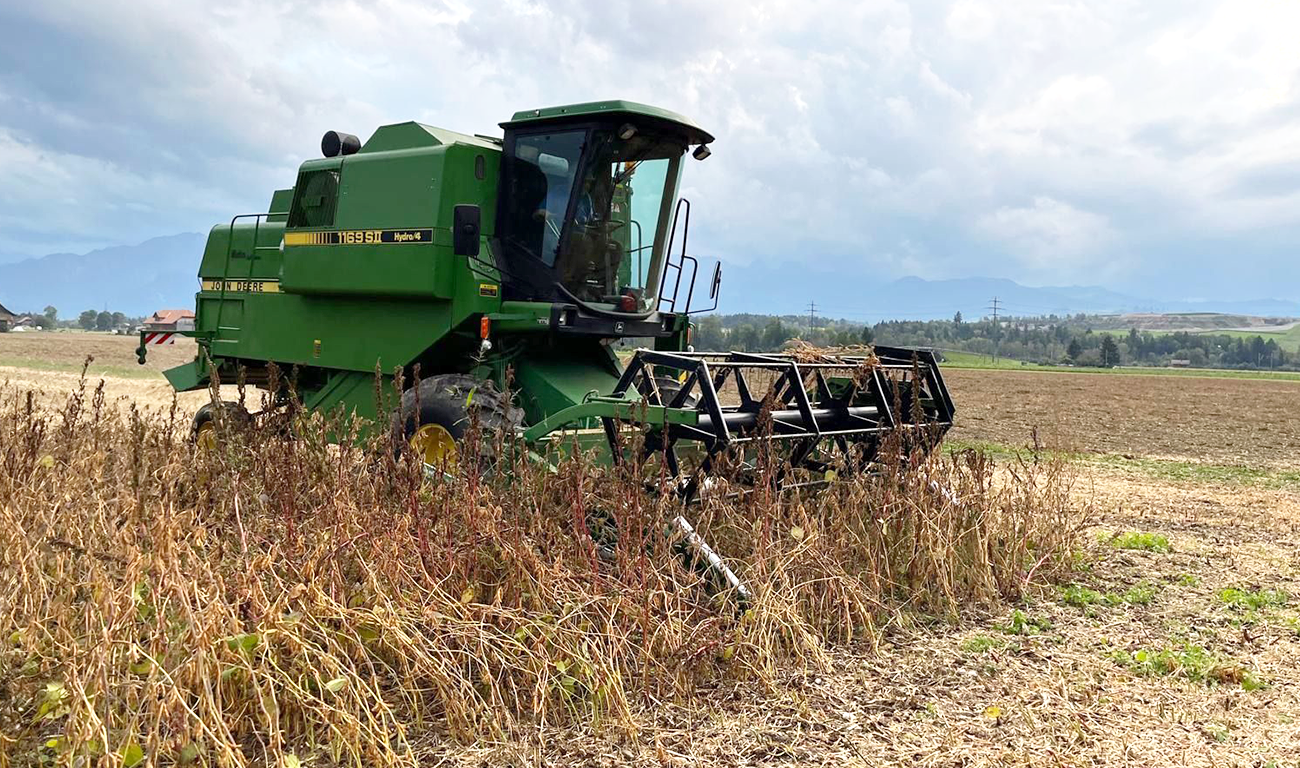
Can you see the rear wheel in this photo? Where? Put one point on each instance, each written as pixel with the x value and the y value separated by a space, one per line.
pixel 213 417
pixel 435 417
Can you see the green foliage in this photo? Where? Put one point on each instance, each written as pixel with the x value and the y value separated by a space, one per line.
pixel 53 703
pixel 1080 596
pixel 1253 600
pixel 1190 662
pixel 1023 624
pixel 1109 352
pixel 1142 594
pixel 132 755
pixel 1164 469
pixel 1148 542
pixel 982 644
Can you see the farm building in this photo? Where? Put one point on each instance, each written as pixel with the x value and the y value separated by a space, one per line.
pixel 7 319
pixel 170 320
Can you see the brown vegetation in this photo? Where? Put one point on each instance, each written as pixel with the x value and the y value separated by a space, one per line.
pixel 280 601
pixel 1051 677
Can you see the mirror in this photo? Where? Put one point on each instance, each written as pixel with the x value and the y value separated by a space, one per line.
pixel 465 230
pixel 717 281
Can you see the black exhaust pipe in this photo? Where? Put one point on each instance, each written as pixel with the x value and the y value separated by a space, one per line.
pixel 336 143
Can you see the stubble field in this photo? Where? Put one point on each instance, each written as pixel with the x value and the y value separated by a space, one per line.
pixel 1172 642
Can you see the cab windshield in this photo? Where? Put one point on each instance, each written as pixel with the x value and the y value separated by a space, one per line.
pixel 593 205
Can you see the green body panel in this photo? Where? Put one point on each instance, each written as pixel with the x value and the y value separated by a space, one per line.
pixel 552 378
pixel 188 377
pixel 355 393
pixel 420 186
pixel 356 271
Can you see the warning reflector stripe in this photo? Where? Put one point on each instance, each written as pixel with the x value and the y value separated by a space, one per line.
pixel 159 338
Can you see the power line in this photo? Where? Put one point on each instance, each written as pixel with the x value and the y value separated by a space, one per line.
pixel 997 329
pixel 812 313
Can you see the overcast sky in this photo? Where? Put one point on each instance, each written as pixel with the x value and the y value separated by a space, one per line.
pixel 1151 146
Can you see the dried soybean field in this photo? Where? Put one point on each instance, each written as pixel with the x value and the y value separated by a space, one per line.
pixel 1172 641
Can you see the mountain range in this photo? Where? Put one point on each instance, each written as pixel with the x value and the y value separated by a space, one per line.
pixel 161 274
pixel 136 279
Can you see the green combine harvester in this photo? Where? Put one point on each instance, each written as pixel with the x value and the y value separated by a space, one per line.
pixel 516 264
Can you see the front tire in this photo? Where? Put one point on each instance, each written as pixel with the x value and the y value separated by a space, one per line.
pixel 214 417
pixel 435 417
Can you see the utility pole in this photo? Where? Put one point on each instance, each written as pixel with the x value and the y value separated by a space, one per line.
pixel 812 313
pixel 997 329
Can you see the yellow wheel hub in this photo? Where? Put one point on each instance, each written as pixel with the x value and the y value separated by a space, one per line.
pixel 434 445
pixel 206 436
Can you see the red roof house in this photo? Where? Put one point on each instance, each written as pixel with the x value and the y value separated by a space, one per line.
pixel 170 320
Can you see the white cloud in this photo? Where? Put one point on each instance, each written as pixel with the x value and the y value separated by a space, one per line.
pixel 844 129
pixel 971 20
pixel 1049 234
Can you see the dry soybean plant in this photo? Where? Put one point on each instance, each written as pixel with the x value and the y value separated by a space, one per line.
pixel 300 593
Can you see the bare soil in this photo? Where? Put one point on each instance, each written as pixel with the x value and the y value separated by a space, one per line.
pixel 1251 422
pixel 51 363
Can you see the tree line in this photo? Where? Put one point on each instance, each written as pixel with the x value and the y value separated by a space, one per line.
pixel 1049 340
pixel 89 320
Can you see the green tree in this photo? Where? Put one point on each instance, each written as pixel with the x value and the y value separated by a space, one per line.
pixel 1109 351
pixel 774 335
pixel 87 319
pixel 866 335
pixel 1074 350
pixel 746 338
pixel 51 315
pixel 956 319
pixel 708 335
pixel 104 321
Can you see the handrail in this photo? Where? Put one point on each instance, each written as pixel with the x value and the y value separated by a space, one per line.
pixel 668 258
pixel 230 246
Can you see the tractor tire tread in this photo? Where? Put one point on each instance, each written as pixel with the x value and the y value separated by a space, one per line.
pixel 451 397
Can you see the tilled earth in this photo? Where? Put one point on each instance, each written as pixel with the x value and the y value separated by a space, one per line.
pixel 1251 422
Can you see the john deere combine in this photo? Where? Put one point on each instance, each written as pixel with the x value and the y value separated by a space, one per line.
pixel 522 259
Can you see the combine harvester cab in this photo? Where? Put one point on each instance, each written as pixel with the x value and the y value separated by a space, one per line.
pixel 518 262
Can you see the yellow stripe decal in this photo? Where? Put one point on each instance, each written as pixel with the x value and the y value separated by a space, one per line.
pixel 360 237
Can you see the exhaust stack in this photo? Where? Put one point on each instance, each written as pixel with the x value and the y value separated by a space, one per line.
pixel 335 143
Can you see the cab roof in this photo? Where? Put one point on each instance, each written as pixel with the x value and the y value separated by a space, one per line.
pixel 604 109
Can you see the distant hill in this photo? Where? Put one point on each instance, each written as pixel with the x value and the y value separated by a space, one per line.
pixel 161 273
pixel 136 279
pixel 858 296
